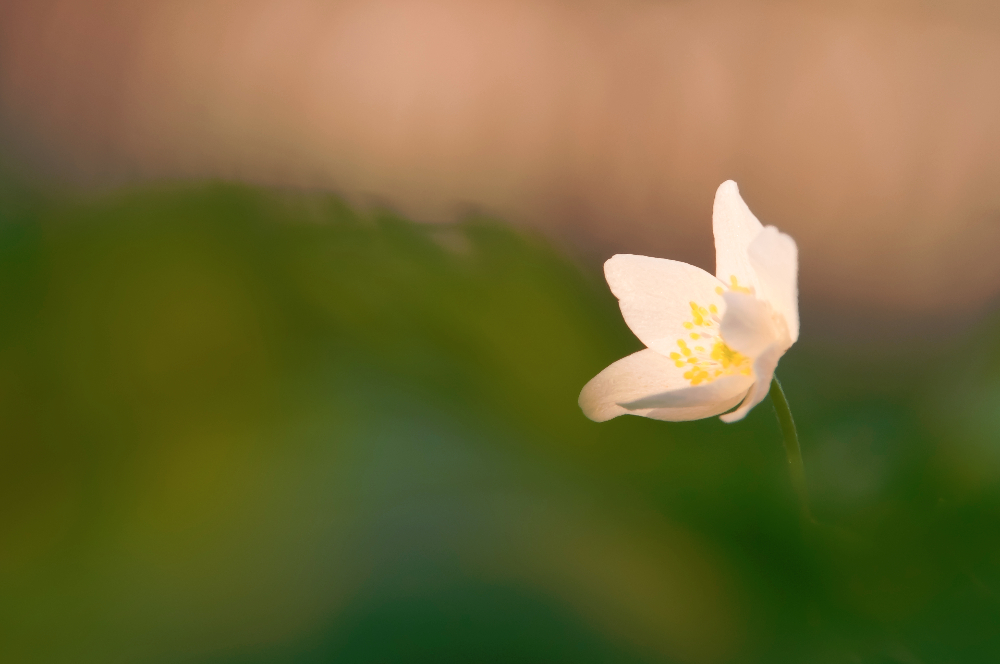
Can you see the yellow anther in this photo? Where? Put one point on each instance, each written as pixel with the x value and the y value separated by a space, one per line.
pixel 710 362
pixel 719 290
pixel 735 285
pixel 714 309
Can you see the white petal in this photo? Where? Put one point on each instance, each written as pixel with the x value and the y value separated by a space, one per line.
pixel 630 378
pixel 763 369
pixel 642 375
pixel 691 413
pixel 655 296
pixel 718 391
pixel 735 228
pixel 747 325
pixel 775 260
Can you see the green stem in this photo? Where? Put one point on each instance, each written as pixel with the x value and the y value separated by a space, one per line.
pixel 792 449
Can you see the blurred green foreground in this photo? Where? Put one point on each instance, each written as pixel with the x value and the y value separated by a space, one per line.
pixel 243 427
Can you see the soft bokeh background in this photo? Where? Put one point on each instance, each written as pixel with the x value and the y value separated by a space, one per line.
pixel 255 408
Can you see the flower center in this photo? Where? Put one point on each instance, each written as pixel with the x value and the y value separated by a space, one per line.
pixel 708 357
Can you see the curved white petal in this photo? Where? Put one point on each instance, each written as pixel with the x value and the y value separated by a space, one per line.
pixel 747 325
pixel 633 377
pixel 718 391
pixel 763 369
pixel 735 228
pixel 690 413
pixel 641 375
pixel 655 296
pixel 775 260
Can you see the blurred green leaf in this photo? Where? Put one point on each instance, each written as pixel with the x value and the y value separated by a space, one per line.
pixel 248 426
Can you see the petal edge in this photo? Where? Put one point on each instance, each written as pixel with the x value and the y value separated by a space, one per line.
pixel 734 227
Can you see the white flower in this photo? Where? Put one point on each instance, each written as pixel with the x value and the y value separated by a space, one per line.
pixel 712 342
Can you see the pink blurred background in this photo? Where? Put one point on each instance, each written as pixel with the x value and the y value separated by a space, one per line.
pixel 869 131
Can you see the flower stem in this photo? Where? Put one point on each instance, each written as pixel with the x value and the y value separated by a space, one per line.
pixel 792 449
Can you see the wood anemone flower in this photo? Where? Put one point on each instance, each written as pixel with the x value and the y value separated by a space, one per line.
pixel 712 342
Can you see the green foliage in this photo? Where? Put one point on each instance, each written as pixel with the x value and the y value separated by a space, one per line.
pixel 244 426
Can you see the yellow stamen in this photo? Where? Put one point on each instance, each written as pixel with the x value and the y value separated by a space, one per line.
pixel 735 285
pixel 707 363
